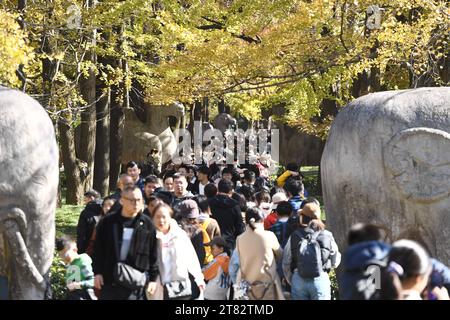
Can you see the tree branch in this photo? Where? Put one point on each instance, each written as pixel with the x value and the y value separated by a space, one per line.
pixel 341 33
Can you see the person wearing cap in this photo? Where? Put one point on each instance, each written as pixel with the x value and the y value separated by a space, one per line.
pixel 318 288
pixel 273 216
pixel 216 272
pixel 189 213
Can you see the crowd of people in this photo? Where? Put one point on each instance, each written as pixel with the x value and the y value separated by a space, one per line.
pixel 225 232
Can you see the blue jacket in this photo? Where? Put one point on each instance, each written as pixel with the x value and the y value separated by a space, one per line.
pixel 296 203
pixel 440 276
pixel 355 262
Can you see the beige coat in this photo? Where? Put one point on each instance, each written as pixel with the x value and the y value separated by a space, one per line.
pixel 258 251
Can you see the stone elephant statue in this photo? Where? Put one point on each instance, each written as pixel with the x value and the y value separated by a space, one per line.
pixel 387 161
pixel 224 121
pixel 29 179
pixel 155 133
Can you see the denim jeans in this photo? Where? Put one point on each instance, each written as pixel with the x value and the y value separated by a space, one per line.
pixel 318 288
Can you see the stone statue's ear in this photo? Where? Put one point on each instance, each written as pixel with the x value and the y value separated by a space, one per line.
pixel 417 163
pixel 145 136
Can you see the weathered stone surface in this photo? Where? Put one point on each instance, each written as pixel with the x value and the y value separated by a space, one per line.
pixel 224 121
pixel 140 137
pixel 387 161
pixel 28 192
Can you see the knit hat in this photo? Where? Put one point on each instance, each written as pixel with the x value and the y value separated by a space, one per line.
pixel 189 209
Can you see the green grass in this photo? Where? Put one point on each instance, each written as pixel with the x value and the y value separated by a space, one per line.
pixel 310 170
pixel 66 224
pixel 66 220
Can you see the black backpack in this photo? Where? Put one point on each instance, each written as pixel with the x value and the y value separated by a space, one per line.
pixel 311 252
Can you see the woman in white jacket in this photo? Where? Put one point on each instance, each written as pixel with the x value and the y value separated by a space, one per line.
pixel 176 258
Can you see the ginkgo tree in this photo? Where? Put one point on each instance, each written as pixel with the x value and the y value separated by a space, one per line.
pixel 298 53
pixel 83 58
pixel 14 50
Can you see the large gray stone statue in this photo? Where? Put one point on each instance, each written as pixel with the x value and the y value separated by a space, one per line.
pixel 387 161
pixel 28 192
pixel 224 121
pixel 155 133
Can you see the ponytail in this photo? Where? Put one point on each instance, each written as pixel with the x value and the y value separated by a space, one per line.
pixel 253 216
pixel 391 285
pixel 251 223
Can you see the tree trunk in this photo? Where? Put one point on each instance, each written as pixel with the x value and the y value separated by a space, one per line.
pixel 102 146
pixel 21 7
pixel 88 125
pixel 118 116
pixel 116 138
pixel 222 108
pixel 183 121
pixel 205 110
pixel 88 115
pixel 48 72
pixel 195 115
pixel 74 194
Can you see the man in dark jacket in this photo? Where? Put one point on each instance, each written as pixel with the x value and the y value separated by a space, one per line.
pixel 202 180
pixel 227 213
pixel 126 236
pixel 366 249
pixel 134 171
pixel 367 252
pixel 87 220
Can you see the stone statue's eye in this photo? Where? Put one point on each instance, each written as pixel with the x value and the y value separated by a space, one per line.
pixel 38 179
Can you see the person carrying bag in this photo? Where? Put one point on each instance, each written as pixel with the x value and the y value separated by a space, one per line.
pixel 257 250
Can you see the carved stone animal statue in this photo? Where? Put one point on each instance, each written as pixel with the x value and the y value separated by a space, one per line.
pixel 224 121
pixel 387 161
pixel 155 133
pixel 29 178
